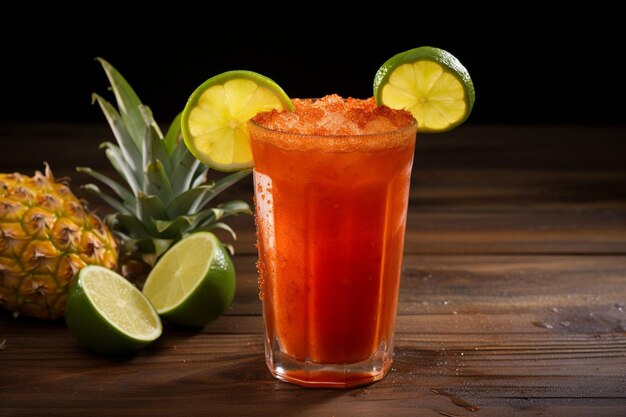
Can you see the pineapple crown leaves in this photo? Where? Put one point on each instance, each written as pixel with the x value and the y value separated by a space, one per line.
pixel 167 191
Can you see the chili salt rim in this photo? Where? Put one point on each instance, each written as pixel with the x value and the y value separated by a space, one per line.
pixel 362 142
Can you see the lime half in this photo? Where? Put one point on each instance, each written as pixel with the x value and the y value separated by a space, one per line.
pixel 430 83
pixel 194 282
pixel 215 119
pixel 108 314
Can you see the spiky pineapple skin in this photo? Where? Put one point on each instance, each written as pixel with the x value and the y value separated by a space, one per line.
pixel 46 236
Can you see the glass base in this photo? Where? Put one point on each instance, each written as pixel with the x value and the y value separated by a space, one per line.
pixel 322 375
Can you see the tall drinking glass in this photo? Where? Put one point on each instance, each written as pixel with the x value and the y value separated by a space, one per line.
pixel 331 219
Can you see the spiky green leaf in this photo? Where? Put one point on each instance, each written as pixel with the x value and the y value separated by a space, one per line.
pixel 127 102
pixel 204 218
pixel 231 248
pixel 127 197
pixel 217 187
pixel 148 119
pixel 181 205
pixel 211 215
pixel 154 145
pixel 200 177
pixel 151 209
pixel 150 150
pixel 173 135
pixel 158 181
pixel 234 207
pixel 129 149
pixel 93 189
pixel 222 226
pixel 116 158
pixel 160 153
pixel 133 225
pixel 151 249
pixel 179 152
pixel 184 166
pixel 145 247
pixel 173 228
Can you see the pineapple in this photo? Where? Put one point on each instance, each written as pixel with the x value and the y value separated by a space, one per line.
pixel 46 236
pixel 167 189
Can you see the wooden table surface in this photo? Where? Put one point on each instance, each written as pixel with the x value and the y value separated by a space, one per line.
pixel 513 295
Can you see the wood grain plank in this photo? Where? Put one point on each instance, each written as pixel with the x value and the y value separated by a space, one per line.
pixel 226 373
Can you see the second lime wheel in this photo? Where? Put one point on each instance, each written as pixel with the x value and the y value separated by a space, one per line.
pixel 214 121
pixel 430 83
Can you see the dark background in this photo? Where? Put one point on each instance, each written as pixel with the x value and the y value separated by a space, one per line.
pixel 527 67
